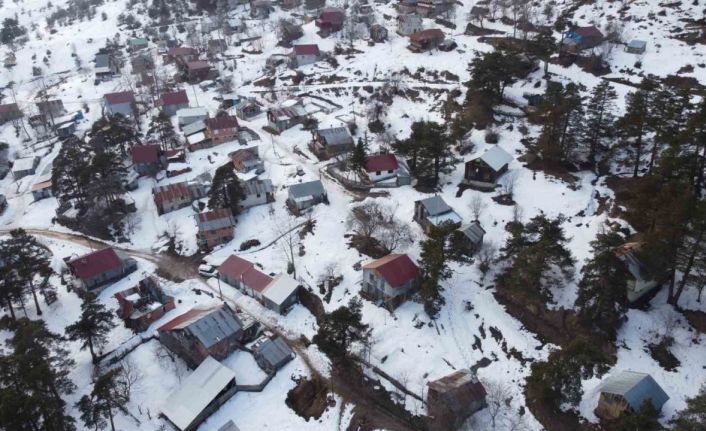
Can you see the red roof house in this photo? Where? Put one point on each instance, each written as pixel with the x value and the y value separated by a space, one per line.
pixel 243 275
pixel 221 129
pixel 147 159
pixel 120 97
pixel 390 280
pixel 331 20
pixel 309 49
pixel 100 267
pixel 381 163
pixel 172 102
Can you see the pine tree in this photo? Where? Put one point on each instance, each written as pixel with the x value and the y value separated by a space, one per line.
pixel 602 297
pixel 93 327
pixel 71 170
pixel 598 123
pixel 562 116
pixel 633 126
pixel 434 260
pixel 693 417
pixel 34 380
pixel 10 286
pixel 114 133
pixel 161 131
pixel 428 149
pixel 24 255
pixel 359 156
pixel 493 71
pixel 226 190
pixel 109 394
pixel 339 329
pixel 543 46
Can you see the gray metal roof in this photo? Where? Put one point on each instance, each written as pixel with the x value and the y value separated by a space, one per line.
pixel 215 326
pixel 435 205
pixel 194 128
pixel 639 44
pixel 336 136
pixel 496 158
pixel 102 60
pixel 311 188
pixel 474 232
pixel 257 187
pixel 636 388
pixel 275 352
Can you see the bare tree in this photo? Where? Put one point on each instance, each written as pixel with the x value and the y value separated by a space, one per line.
pixel 509 184
pixel 498 397
pixel 289 240
pixel 130 376
pixel 517 213
pixel 374 221
pixel 476 205
pixel 486 255
pixel 395 235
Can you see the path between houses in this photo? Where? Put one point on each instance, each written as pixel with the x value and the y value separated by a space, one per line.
pixel 186 268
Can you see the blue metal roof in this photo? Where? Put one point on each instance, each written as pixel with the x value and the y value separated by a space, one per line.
pixel 635 388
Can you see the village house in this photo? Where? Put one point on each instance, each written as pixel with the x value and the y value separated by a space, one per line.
pixel 197 71
pixel 302 55
pixel 143 304
pixel 96 269
pixel 330 21
pixel 381 167
pixel 42 188
pixel 122 103
pixel 433 8
pixel 434 212
pixel 136 44
pixel 257 192
pixel 222 129
pixel 247 109
pixel 425 40
pixel 203 332
pixel 390 280
pixel 626 392
pixel 214 228
pixel 409 24
pixel 10 112
pixel 581 38
pixel 641 283
pixel 472 235
pixel 305 195
pixel 288 114
pixel 187 116
pixel 181 55
pixel 173 102
pixel 244 276
pixel 378 33
pixel 484 170
pixel 454 398
pixel 271 353
pixel 106 67
pixel 331 142
pixel 636 46
pixel 51 108
pixel 24 167
pixel 172 197
pixel 281 294
pixel 201 393
pixel 147 160
pixel 246 160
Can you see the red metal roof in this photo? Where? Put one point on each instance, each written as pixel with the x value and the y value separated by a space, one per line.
pixel 256 280
pixel 175 98
pixel 243 154
pixel 396 269
pixel 331 16
pixel 198 65
pixel 589 31
pixel 95 263
pixel 10 107
pixel 430 33
pixel 171 192
pixel 145 154
pixel 306 49
pixel 121 97
pixel 224 122
pixel 381 162
pixel 234 267
pixel 179 51
pixel 216 214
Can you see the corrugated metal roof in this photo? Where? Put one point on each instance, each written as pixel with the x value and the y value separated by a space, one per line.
pixel 396 269
pixel 336 136
pixel 257 187
pixel 435 205
pixel 208 325
pixel 302 190
pixel 275 352
pixel 198 390
pixel 495 157
pixel 280 289
pixel 636 388
pixel 474 232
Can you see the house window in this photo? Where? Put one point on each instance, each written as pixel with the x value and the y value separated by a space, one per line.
pixel 390 171
pixel 258 195
pixel 377 172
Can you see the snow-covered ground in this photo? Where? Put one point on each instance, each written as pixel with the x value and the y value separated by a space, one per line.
pixel 414 354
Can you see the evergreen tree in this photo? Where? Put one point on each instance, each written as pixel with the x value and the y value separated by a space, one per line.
pixel 161 131
pixel 435 268
pixel 359 156
pixel 93 327
pixel 602 299
pixel 428 149
pixel 109 394
pixel 11 30
pixel 558 380
pixel 633 127
pixel 645 419
pixel 668 116
pixel 29 260
pixel 34 379
pixel 71 170
pixel 599 121
pixel 562 114
pixel 114 133
pixel 10 287
pixel 543 46
pixel 492 72
pixel 226 190
pixel 339 329
pixel 693 417
pixel 535 251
